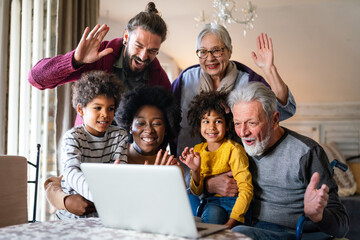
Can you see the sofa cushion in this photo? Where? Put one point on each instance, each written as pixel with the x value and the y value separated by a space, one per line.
pixel 352 204
pixel 344 180
pixel 354 165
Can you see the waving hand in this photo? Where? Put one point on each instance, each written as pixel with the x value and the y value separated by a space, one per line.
pixel 264 58
pixel 87 50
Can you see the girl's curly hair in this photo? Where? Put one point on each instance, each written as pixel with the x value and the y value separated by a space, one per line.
pixel 202 104
pixel 156 96
pixel 95 83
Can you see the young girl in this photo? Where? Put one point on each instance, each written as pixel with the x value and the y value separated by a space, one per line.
pixel 210 117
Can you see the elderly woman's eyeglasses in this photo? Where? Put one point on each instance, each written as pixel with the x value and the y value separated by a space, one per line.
pixel 216 52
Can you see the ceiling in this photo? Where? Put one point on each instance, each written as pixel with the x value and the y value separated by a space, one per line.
pixel 316 42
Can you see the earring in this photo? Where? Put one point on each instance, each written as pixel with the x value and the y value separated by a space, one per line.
pixel 124 42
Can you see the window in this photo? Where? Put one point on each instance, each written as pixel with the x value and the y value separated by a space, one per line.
pixel 28 35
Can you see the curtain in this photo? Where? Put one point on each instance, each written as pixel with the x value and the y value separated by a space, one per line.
pixel 4 43
pixel 73 18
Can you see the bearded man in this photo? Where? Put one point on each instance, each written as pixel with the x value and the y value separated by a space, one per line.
pixel 291 173
pixel 132 58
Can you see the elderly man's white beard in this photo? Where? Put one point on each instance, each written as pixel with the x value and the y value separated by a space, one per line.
pixel 257 148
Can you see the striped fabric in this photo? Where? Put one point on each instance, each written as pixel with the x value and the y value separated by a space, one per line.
pixel 79 146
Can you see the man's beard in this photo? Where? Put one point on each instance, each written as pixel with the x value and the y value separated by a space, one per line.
pixel 127 62
pixel 259 147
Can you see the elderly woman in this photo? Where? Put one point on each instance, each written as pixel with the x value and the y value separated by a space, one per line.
pixel 216 72
pixel 151 116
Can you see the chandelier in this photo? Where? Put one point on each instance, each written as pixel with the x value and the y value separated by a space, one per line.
pixel 225 11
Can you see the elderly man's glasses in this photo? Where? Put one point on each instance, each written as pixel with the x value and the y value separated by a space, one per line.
pixel 216 52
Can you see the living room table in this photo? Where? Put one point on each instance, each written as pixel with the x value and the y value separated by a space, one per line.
pixel 91 228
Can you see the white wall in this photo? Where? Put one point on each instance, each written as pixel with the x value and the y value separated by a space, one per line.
pixel 316 43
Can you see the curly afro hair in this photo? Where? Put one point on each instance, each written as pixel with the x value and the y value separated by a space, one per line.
pixel 204 103
pixel 156 96
pixel 95 83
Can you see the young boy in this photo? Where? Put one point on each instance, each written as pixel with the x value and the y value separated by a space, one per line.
pixel 95 97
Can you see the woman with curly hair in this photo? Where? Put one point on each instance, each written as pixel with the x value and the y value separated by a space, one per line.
pixel 210 117
pixel 151 115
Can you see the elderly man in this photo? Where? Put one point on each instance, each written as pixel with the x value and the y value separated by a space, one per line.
pixel 291 173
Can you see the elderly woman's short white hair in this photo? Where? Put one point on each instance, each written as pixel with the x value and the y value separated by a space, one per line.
pixel 219 31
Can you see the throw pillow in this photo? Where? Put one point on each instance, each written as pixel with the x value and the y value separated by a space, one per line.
pixel 344 180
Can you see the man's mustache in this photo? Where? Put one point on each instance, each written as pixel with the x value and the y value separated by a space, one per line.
pixel 147 61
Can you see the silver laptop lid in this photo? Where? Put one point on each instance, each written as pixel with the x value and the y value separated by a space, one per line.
pixel 141 197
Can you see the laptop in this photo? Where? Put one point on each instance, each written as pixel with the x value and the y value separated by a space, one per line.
pixel 144 198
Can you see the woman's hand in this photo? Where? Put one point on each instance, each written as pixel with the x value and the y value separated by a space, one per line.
pixel 87 50
pixel 264 58
pixel 164 159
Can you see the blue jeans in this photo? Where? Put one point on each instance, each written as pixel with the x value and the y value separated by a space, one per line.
pixel 218 209
pixel 194 203
pixel 265 230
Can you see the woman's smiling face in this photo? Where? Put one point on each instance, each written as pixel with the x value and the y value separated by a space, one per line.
pixel 148 130
pixel 215 67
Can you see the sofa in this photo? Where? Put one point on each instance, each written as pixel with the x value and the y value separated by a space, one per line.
pixel 352 205
pixel 349 186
